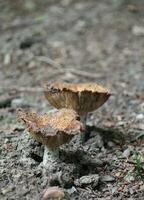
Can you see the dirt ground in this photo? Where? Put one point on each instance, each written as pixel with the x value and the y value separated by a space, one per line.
pixel 73 41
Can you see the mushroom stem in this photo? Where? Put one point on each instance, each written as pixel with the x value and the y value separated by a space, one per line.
pixel 50 158
pixel 85 134
pixel 83 119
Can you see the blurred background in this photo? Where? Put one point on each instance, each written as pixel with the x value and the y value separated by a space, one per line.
pixel 98 41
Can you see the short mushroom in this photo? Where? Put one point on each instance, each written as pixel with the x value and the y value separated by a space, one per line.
pixel 81 97
pixel 52 130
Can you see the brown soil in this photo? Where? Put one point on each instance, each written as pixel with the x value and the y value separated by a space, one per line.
pixel 73 41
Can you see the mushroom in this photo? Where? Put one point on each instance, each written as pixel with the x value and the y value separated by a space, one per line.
pixel 81 97
pixel 52 130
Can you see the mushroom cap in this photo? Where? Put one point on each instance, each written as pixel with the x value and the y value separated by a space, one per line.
pixel 82 97
pixel 53 129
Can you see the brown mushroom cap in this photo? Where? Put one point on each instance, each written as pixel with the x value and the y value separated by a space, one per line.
pixel 53 129
pixel 82 97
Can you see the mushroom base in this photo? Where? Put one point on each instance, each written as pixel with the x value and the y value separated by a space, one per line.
pixel 50 158
pixel 83 119
pixel 85 134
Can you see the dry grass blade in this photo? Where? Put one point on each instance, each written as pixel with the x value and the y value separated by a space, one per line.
pixel 84 74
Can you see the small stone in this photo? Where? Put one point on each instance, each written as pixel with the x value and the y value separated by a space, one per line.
pixel 107 178
pixel 16 103
pixel 99 140
pixel 72 190
pixel 65 2
pixel 114 190
pixel 126 153
pixel 95 142
pixel 118 174
pixel 121 123
pixel 86 180
pixel 140 116
pixel 89 160
pixel 53 193
pixel 142 188
pixel 29 5
pixel 96 162
pixel 7 190
pixel 131 190
pixel 129 178
pixel 141 126
pixel 7 59
pixel 110 144
pixel 138 30
pixel 5 101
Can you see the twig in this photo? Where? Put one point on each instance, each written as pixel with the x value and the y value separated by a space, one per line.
pixel 22 89
pixel 16 26
pixel 139 136
pixel 69 70
pixel 84 74
pixel 50 62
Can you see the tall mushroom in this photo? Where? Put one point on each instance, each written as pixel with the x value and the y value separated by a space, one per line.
pixel 82 97
pixel 52 130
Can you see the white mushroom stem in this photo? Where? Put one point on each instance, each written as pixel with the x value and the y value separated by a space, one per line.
pixel 85 134
pixel 83 119
pixel 50 158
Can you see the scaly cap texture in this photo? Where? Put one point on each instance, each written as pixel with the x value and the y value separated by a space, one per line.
pixel 53 129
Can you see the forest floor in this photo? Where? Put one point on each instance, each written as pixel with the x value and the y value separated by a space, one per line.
pixel 73 41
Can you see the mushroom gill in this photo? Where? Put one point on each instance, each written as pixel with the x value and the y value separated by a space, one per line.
pixel 81 97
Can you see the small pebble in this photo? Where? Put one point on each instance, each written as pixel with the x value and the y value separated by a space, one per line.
pixel 110 144
pixel 97 162
pixel 107 178
pixel 131 191
pixel 53 193
pixel 71 190
pixel 118 174
pixel 7 190
pixel 7 59
pixel 16 103
pixel 126 153
pixel 140 116
pixel 114 190
pixel 86 180
pixel 129 178
pixel 138 30
pixel 5 101
pixel 141 126
pixel 142 188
